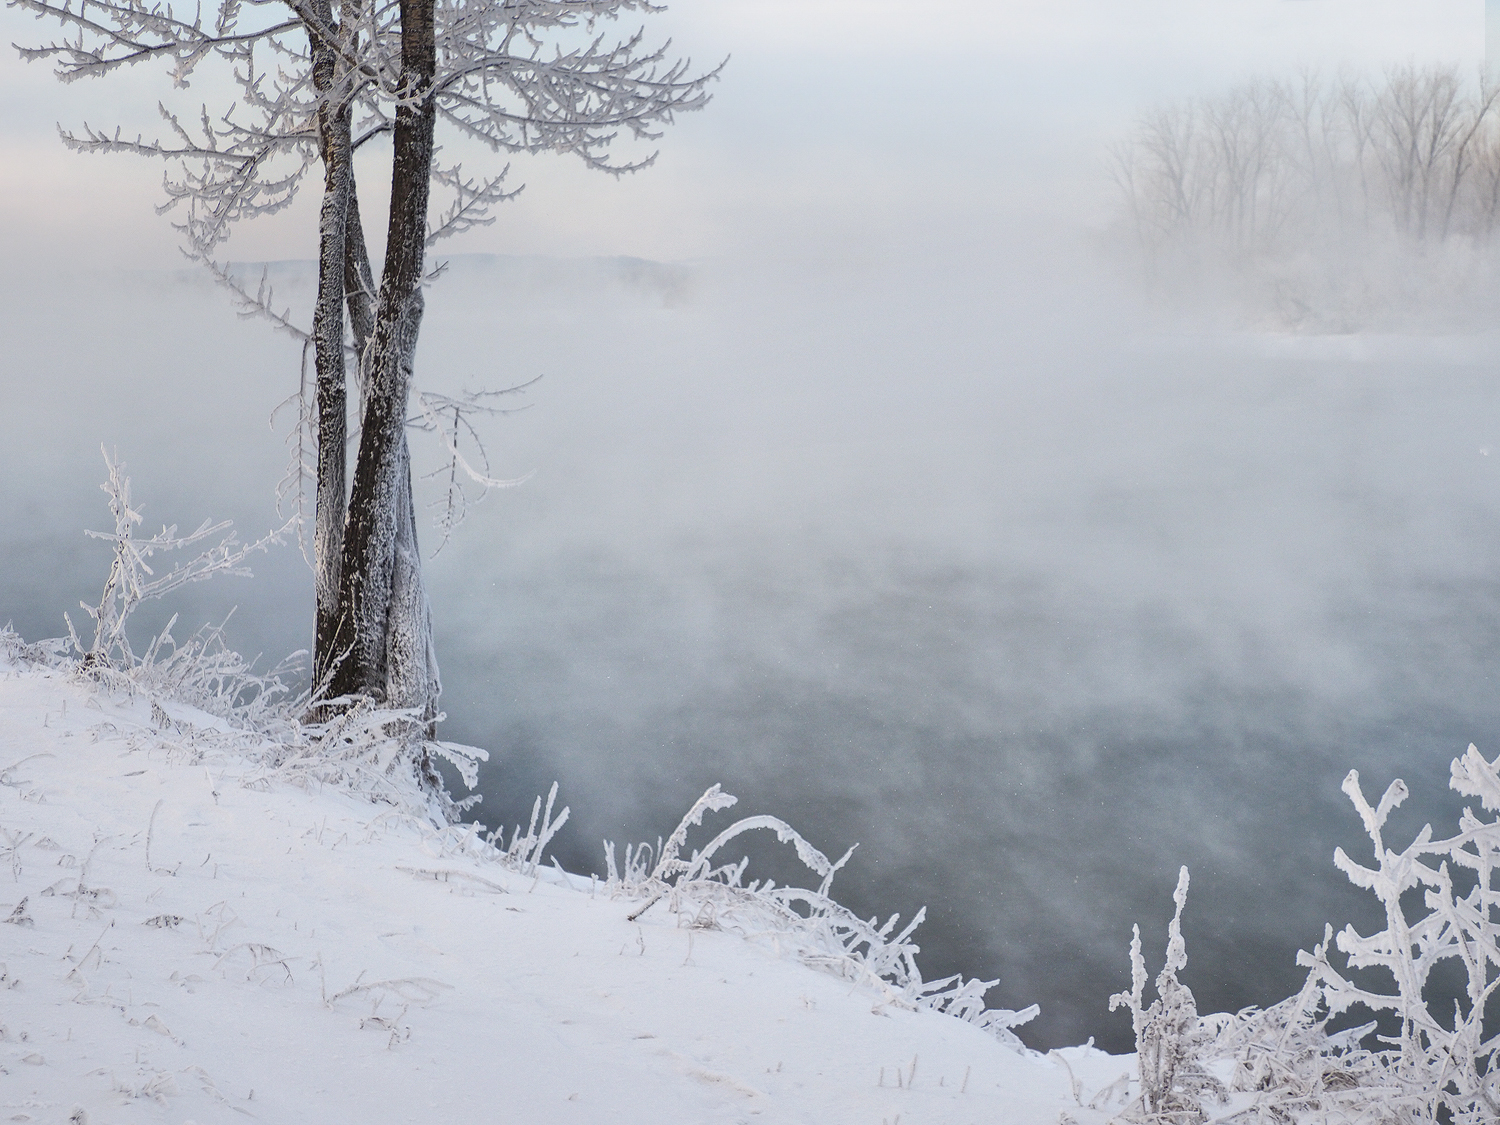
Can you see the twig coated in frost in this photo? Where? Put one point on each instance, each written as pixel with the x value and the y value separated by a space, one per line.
pixel 412 990
pixel 824 934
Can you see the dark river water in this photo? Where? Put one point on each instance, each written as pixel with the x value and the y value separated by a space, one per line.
pixel 1029 597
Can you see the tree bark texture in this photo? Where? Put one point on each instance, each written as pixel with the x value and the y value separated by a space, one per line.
pixel 383 622
pixel 328 342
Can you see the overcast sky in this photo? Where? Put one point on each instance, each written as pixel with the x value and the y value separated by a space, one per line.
pixel 839 124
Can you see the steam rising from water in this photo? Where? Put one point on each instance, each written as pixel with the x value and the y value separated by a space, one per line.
pixel 980 569
pixel 1031 603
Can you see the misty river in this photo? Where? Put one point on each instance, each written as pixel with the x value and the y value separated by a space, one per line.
pixel 999 575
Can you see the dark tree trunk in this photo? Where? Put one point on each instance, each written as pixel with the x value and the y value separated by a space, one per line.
pixel 328 342
pixel 381 614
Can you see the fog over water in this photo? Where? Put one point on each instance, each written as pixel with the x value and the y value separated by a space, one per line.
pixel 918 531
pixel 1033 615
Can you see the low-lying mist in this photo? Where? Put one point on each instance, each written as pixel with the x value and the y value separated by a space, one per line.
pixel 1032 602
pixel 976 562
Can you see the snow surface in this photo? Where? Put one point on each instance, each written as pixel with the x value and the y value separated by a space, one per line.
pixel 191 942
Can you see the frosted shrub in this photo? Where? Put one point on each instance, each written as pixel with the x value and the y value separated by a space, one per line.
pixel 1270 1067
pixel 1438 1060
pixel 1440 1063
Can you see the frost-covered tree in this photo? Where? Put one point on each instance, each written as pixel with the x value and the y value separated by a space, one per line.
pixel 306 84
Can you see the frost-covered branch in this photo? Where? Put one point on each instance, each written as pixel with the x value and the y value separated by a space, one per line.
pixel 111 34
pixel 450 420
pixel 472 201
pixel 574 101
pixel 260 304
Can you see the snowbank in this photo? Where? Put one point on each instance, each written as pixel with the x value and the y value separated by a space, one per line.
pixel 185 938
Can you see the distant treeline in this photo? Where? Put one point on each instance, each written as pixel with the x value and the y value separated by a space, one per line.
pixel 1274 171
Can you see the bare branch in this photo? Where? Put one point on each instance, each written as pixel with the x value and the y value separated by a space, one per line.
pixel 451 420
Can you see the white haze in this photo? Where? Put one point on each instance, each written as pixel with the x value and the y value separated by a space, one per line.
pixel 875 488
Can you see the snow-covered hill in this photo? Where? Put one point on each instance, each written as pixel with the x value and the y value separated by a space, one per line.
pixel 187 937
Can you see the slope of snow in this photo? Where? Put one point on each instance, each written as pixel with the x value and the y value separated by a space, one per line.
pixel 185 940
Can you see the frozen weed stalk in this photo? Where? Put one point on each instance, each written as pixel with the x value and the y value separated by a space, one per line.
pixel 131 580
pixel 1168 1035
